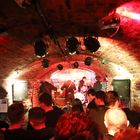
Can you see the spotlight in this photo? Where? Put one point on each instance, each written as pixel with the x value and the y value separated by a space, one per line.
pixel 40 48
pixel 88 61
pixel 45 63
pixel 60 67
pixel 92 44
pixel 75 65
pixel 72 44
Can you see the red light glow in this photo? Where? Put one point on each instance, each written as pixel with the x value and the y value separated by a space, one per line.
pixel 128 14
pixel 130 10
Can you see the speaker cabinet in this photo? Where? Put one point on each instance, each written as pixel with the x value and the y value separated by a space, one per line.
pixel 122 87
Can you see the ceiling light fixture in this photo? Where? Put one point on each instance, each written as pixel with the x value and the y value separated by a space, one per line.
pixel 72 45
pixel 88 61
pixel 40 48
pixel 75 65
pixel 60 67
pixel 45 63
pixel 92 44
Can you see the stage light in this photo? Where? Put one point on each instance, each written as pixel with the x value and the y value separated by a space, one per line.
pixel 75 65
pixel 60 67
pixel 92 44
pixel 45 63
pixel 72 44
pixel 40 48
pixel 88 61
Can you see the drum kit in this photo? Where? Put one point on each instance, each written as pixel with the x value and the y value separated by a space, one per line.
pixel 61 101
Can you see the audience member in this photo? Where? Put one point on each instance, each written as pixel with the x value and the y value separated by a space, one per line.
pixel 37 118
pixel 100 98
pixel 77 105
pixel 115 119
pixel 112 99
pixel 133 116
pixel 97 85
pixel 77 125
pixel 52 112
pixel 91 99
pixel 127 134
pixel 16 117
pixel 97 114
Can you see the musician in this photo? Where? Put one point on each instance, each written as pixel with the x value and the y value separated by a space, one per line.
pixel 69 88
pixel 97 85
pixel 82 84
pixel 47 87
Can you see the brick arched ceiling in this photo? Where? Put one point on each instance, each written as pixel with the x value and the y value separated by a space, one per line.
pixel 20 26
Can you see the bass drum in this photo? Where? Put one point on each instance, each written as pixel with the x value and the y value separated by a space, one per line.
pixel 80 96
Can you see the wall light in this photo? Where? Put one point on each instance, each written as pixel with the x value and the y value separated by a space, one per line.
pixel 72 44
pixel 92 44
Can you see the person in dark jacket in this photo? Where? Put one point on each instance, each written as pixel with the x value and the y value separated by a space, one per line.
pixel 52 112
pixel 15 131
pixel 91 99
pixel 77 126
pixel 97 114
pixel 37 118
pixel 69 88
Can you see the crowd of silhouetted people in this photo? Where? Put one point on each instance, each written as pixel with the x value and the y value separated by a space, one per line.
pixel 105 117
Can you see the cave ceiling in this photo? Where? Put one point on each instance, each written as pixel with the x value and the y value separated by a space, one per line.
pixel 22 22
